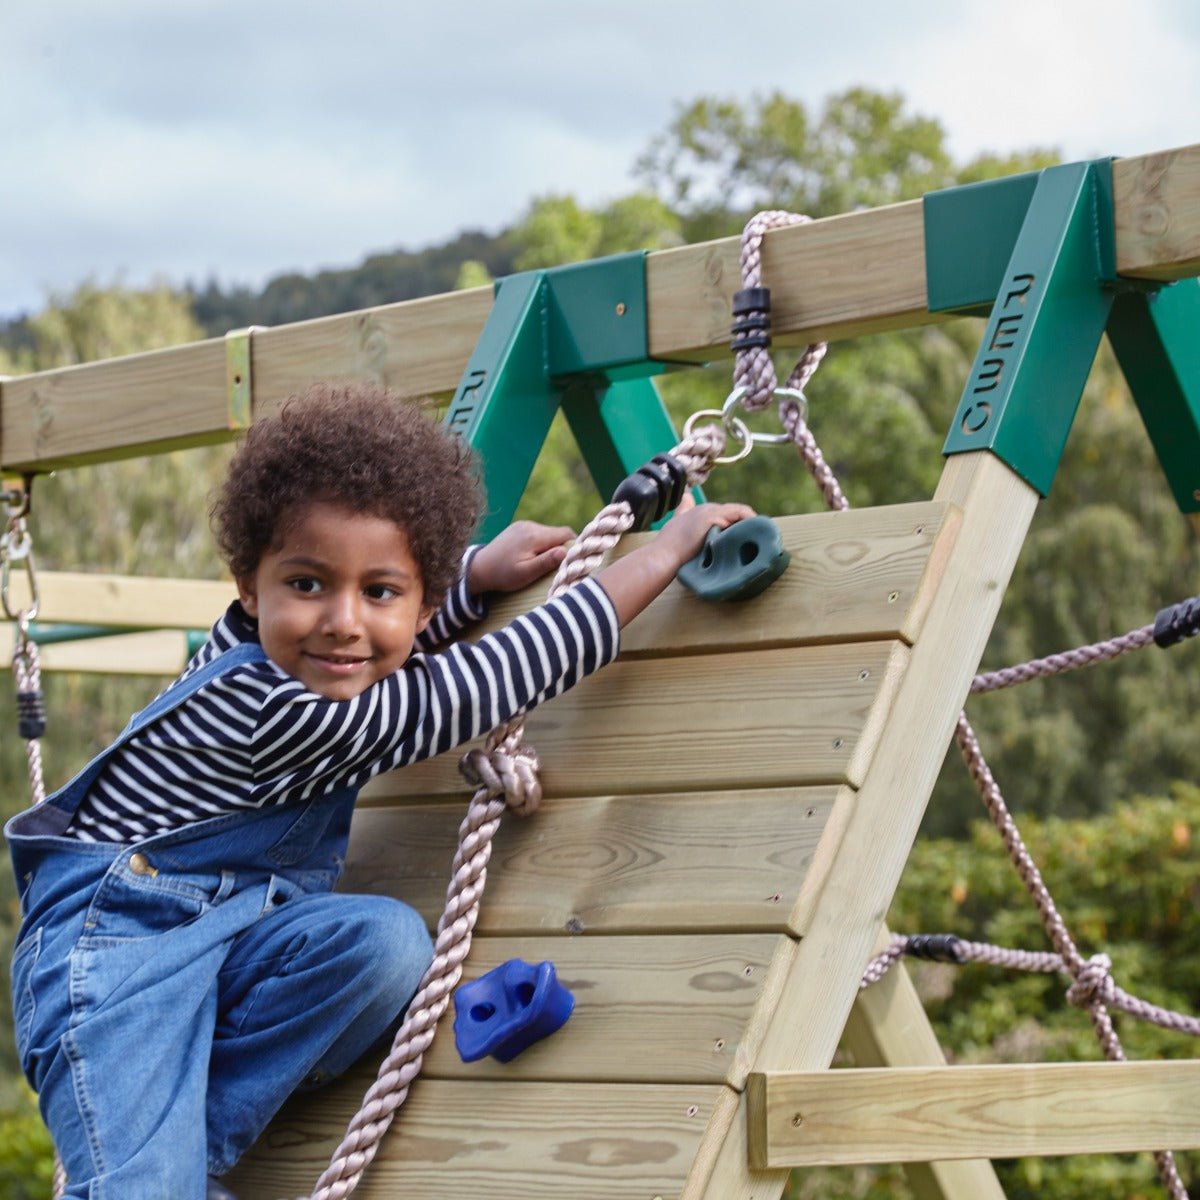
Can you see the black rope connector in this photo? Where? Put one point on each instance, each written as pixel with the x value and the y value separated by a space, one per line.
pixel 31 714
pixel 652 490
pixel 934 947
pixel 1176 622
pixel 751 319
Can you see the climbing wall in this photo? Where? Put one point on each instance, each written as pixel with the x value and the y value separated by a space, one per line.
pixel 698 793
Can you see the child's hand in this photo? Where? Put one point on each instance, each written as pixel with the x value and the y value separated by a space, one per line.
pixel 684 534
pixel 634 580
pixel 518 556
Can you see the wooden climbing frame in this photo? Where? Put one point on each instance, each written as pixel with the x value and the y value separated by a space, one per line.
pixel 729 807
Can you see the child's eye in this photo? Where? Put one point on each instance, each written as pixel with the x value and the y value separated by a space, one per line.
pixel 380 591
pixel 305 584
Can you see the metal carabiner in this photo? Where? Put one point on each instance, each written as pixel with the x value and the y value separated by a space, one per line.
pixel 765 439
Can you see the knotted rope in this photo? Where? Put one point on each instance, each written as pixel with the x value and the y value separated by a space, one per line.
pixel 504 773
pixel 1092 986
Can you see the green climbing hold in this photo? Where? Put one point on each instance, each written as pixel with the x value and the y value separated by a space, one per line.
pixel 738 562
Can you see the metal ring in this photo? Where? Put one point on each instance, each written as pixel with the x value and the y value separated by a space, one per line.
pixel 734 426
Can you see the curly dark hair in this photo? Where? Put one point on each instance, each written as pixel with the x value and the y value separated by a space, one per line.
pixel 356 446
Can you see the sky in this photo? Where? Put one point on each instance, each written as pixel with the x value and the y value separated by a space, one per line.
pixel 184 140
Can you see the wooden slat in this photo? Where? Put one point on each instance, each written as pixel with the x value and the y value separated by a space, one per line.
pixel 502 1141
pixel 839 277
pixel 160 652
pixel 888 1028
pixel 997 507
pixel 124 601
pixel 759 719
pixel 1001 1110
pixel 864 574
pixel 647 1009
pixel 702 862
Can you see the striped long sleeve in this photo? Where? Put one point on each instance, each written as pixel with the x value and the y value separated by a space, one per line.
pixel 256 737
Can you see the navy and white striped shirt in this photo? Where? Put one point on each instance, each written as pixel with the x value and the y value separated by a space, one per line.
pixel 256 737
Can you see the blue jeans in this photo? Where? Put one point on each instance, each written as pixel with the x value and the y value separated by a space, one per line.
pixel 168 997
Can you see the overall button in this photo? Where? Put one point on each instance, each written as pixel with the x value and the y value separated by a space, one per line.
pixel 139 864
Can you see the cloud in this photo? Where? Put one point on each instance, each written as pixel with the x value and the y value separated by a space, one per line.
pixel 212 137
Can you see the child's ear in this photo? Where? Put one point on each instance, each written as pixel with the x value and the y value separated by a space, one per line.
pixel 425 616
pixel 248 595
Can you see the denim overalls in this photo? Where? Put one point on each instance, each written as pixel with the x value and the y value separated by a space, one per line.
pixel 169 995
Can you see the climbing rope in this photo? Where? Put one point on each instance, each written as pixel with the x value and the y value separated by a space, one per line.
pixel 505 775
pixel 1092 986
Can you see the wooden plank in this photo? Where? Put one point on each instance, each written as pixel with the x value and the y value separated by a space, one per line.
pixel 1157 197
pixel 707 862
pixel 888 1028
pixel 855 575
pixel 997 507
pixel 999 1110
pixel 502 1141
pixel 125 601
pixel 757 719
pixel 839 277
pixel 655 1009
pixel 860 575
pixel 161 652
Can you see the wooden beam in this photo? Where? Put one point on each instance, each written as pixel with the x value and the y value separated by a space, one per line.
pixel 839 277
pixel 124 601
pixel 997 507
pixel 1001 1110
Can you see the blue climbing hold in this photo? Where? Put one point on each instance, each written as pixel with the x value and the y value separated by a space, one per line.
pixel 738 562
pixel 508 1009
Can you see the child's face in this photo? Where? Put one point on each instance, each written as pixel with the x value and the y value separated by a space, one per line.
pixel 340 602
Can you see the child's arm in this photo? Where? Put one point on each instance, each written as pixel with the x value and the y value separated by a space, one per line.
pixel 633 581
pixel 518 556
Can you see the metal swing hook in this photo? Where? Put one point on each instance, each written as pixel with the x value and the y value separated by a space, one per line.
pixel 17 546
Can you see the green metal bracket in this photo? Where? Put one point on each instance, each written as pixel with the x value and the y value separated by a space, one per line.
pixel 1049 312
pixel 575 336
pixel 1155 337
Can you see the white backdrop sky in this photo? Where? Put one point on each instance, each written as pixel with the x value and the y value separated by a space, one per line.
pixel 238 139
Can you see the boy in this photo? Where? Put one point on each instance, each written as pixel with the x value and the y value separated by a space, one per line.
pixel 182 964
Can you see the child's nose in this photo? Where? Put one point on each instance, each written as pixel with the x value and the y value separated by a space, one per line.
pixel 342 615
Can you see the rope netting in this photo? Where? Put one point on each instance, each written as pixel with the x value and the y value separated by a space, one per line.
pixel 1092 986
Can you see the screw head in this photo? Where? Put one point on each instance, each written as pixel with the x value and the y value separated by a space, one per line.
pixel 621 308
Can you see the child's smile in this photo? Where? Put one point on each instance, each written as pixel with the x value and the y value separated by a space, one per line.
pixel 340 602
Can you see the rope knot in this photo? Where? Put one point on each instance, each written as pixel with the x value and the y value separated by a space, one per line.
pixel 1094 984
pixel 508 770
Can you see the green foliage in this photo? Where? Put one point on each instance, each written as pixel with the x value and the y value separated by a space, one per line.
pixel 26 1152
pixel 557 230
